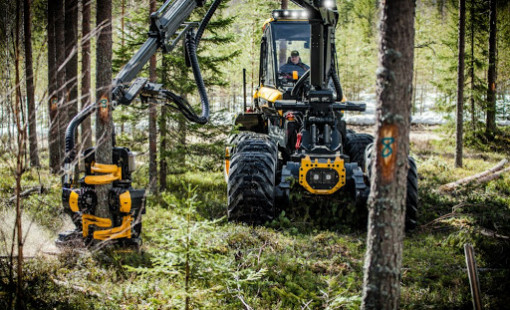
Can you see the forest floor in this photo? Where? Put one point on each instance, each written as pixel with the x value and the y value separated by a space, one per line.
pixel 310 257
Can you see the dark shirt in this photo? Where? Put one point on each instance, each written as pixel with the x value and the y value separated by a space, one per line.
pixel 289 67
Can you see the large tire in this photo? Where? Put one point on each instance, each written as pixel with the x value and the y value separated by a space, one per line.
pixel 237 138
pixel 412 188
pixel 355 146
pixel 251 180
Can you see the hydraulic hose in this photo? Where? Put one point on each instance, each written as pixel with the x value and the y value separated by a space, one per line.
pixel 338 87
pixel 70 153
pixel 334 75
pixel 206 20
pixel 191 43
pixel 71 129
pixel 191 47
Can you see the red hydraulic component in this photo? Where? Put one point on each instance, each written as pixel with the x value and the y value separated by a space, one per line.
pixel 298 141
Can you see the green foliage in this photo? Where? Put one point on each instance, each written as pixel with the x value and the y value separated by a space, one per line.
pixel 187 256
pixel 309 257
pixel 356 42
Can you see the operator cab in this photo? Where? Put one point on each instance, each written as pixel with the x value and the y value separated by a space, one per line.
pixel 285 50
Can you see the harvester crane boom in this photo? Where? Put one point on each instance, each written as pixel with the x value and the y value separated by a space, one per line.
pixel 165 23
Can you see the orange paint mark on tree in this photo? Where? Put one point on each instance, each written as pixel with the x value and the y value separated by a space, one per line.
pixel 103 108
pixel 53 104
pixel 387 151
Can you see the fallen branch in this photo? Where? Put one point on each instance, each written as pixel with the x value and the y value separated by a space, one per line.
pixel 445 216
pixel 490 233
pixel 27 192
pixel 493 176
pixel 481 177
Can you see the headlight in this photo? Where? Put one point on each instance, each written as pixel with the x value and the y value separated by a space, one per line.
pixel 321 178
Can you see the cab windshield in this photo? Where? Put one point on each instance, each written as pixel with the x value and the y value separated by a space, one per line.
pixel 292 49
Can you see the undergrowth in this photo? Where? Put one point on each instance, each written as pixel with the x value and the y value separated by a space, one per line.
pixel 309 257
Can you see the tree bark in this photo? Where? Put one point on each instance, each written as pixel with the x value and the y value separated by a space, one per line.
pixel 460 85
pixel 491 74
pixel 285 4
pixel 104 122
pixel 29 75
pixel 163 134
pixel 122 43
pixel 472 98
pixel 162 149
pixel 153 135
pixel 387 200
pixel 71 35
pixel 71 48
pixel 86 98
pixel 61 74
pixel 53 134
pixel 21 134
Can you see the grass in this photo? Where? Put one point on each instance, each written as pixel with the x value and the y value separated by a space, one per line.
pixel 308 258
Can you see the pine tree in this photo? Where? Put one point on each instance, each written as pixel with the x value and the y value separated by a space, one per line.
pixel 61 75
pixel 387 200
pixel 53 134
pixel 29 75
pixel 153 136
pixel 490 128
pixel 104 122
pixel 86 127
pixel 460 84
pixel 71 47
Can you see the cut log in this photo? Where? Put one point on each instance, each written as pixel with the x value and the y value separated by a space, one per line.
pixel 481 177
pixel 493 176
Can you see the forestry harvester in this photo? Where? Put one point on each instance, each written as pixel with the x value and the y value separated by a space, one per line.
pixel 294 132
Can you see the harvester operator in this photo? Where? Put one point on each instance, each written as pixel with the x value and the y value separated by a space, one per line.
pixel 294 63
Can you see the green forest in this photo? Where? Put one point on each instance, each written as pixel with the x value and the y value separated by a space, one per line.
pixel 152 158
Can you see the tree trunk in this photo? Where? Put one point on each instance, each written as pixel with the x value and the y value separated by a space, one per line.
pixel 460 85
pixel 387 200
pixel 19 163
pixel 285 4
pixel 53 134
pixel 104 122
pixel 86 98
pixel 29 75
pixel 71 35
pixel 472 99
pixel 163 134
pixel 491 74
pixel 122 43
pixel 162 149
pixel 181 137
pixel 61 75
pixel 71 48
pixel 153 135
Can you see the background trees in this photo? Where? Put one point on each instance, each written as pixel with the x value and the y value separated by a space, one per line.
pixel 434 80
